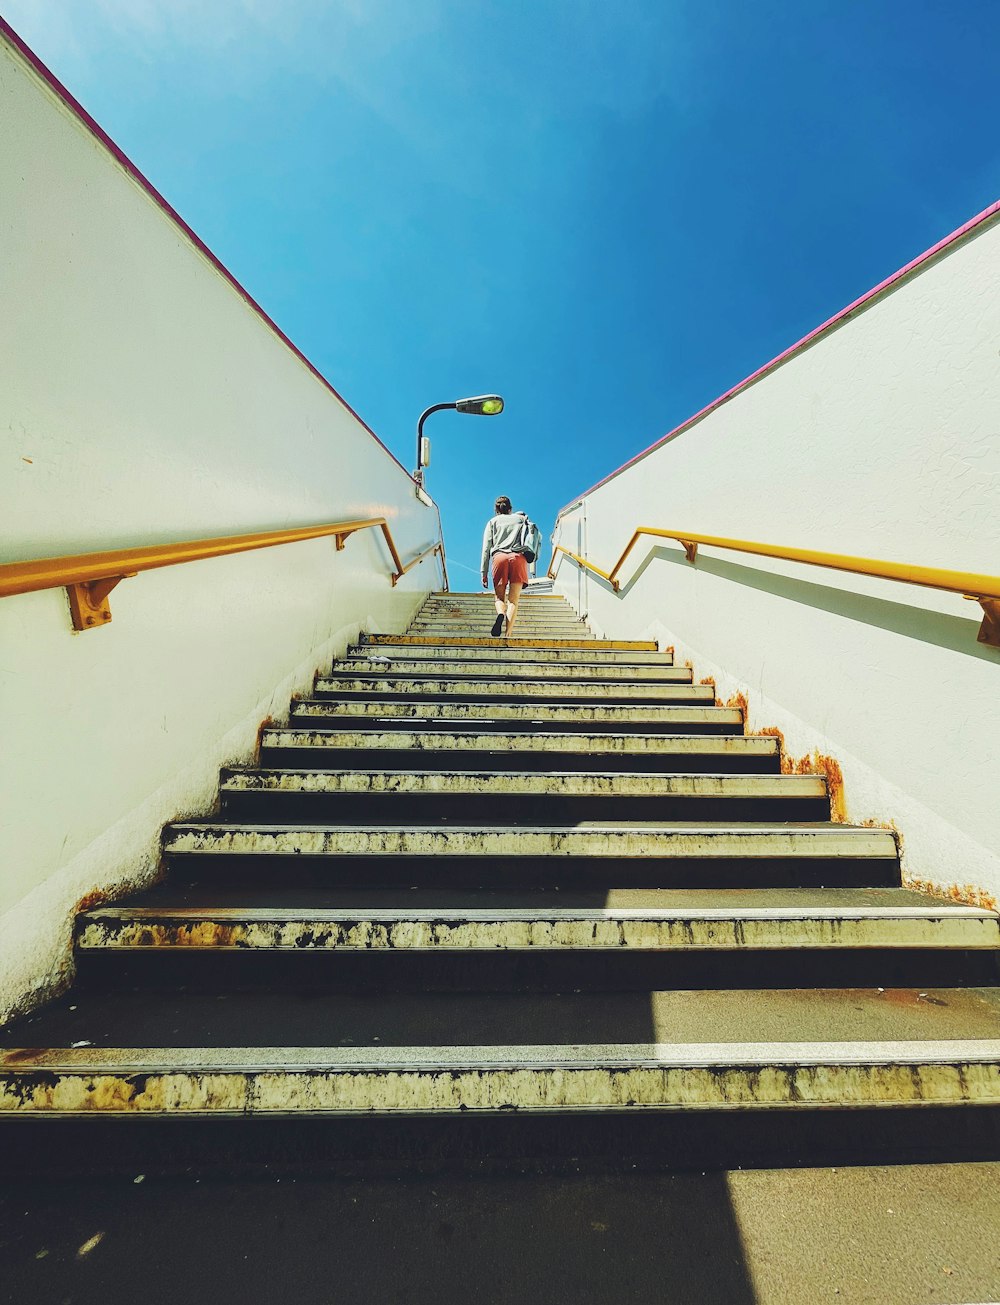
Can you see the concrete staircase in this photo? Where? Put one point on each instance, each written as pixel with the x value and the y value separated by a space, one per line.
pixel 545 879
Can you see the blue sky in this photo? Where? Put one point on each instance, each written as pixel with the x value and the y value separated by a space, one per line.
pixel 608 212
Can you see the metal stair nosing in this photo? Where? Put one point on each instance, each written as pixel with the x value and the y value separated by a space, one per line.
pixel 260 1080
pixel 499 649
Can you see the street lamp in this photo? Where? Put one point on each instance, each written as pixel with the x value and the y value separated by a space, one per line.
pixel 483 405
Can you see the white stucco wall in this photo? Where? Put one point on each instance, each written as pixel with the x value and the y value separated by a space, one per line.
pixel 143 399
pixel 880 438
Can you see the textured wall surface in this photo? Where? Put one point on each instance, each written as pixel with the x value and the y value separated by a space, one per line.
pixel 145 400
pixel 880 438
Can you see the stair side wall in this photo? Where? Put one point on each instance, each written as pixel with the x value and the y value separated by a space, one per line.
pixel 147 399
pixel 878 436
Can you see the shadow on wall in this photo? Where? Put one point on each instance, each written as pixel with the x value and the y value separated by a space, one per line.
pixel 951 632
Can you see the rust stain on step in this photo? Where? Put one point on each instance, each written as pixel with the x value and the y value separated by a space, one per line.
pixel 813 763
pixel 739 701
pixel 910 997
pixel 818 763
pixel 710 682
pixel 964 894
pixel 268 723
pixel 19 1054
pixel 95 898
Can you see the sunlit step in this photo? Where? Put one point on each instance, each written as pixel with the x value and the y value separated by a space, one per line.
pixel 502 685
pixel 424 640
pixel 630 839
pixel 491 797
pixel 579 672
pixel 412 746
pixel 578 714
pixel 588 653
pixel 676 928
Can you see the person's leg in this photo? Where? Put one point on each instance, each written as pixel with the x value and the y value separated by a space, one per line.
pixel 513 594
pixel 517 572
pixel 499 590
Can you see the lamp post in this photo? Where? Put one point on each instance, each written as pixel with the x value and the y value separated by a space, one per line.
pixel 483 405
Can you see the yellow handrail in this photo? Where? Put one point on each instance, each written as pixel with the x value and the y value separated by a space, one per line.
pixel 434 548
pixel 984 588
pixel 581 561
pixel 90 577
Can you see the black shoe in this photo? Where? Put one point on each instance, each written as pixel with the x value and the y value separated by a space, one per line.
pixel 497 626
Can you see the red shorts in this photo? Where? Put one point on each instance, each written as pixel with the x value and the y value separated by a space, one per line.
pixel 509 568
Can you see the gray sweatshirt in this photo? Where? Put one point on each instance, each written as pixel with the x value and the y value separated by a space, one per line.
pixel 501 536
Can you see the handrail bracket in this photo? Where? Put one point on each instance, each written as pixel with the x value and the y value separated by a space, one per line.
pixel 342 536
pixel 690 550
pixel 88 603
pixel 989 631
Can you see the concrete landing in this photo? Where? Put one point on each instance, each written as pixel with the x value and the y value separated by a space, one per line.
pixel 850 1236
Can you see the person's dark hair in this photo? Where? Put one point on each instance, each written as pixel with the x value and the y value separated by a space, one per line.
pixel 502 506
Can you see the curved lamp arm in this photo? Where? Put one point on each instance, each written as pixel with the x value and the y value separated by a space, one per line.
pixel 483 405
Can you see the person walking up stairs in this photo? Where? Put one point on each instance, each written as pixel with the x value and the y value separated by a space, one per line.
pixel 510 542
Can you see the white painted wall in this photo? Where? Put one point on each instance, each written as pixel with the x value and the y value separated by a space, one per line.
pixel 880 439
pixel 143 400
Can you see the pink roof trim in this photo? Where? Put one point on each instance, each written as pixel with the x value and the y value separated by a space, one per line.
pixel 913 266
pixel 80 112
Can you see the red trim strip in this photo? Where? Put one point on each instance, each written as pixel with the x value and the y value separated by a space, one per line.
pixel 77 108
pixel 963 231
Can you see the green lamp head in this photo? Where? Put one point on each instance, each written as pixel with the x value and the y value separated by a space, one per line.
pixel 483 405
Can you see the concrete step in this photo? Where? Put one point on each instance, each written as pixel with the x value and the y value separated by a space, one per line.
pixel 408 747
pixel 562 620
pixel 523 633
pixel 538 602
pixel 126 1017
pixel 544 610
pixel 608 894
pixel 536 611
pixel 675 920
pixel 631 839
pixel 638 854
pixel 482 629
pixel 479 626
pixel 589 645
pixel 387 796
pixel 545 606
pixel 340 684
pixel 580 672
pixel 250 1081
pixel 488 610
pixel 473 623
pixel 799 1235
pixel 719 1051
pixel 498 650
pixel 477 602
pixel 475 634
pixel 481 595
pixel 643 718
pixel 684 940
